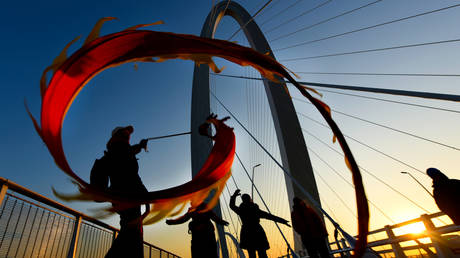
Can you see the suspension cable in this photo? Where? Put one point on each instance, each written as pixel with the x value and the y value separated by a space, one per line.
pixel 385 74
pixel 350 184
pixel 393 101
pixel 349 238
pixel 324 21
pixel 367 28
pixel 257 123
pixel 234 182
pixel 231 219
pixel 372 50
pixel 330 210
pixel 280 12
pixel 397 130
pixel 366 145
pixel 390 128
pixel 229 194
pixel 390 101
pixel 239 219
pixel 371 174
pixel 328 207
pixel 406 93
pixel 302 14
pixel 252 18
pixel 275 2
pixel 336 194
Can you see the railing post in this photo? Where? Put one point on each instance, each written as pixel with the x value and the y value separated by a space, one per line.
pixel 74 241
pixel 396 247
pixel 114 235
pixel 344 246
pixel 3 193
pixel 441 249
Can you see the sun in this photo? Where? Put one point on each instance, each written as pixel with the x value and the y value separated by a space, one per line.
pixel 413 228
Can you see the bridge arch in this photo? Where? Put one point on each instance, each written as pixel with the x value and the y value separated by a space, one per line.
pixel 293 150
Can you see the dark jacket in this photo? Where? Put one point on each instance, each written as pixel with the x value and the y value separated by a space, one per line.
pixel 125 181
pixel 124 169
pixel 202 230
pixel 307 223
pixel 201 224
pixel 446 193
pixel 252 234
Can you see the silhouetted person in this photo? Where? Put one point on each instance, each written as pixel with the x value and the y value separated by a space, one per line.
pixel 310 227
pixel 125 181
pixel 252 236
pixel 202 230
pixel 446 193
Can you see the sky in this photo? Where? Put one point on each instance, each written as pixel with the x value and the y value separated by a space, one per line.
pixel 156 99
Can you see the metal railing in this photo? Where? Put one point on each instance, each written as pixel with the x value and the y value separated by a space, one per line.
pixel 394 241
pixel 432 240
pixel 32 225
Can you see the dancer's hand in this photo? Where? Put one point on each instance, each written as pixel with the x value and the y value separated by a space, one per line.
pixel 237 192
pixel 285 222
pixel 143 144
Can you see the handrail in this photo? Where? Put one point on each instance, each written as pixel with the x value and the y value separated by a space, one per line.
pixel 6 184
pixel 52 203
pixel 38 205
pixel 433 232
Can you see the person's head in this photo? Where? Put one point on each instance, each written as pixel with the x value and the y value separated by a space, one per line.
pixel 122 132
pixel 202 206
pixel 436 175
pixel 297 201
pixel 204 129
pixel 246 198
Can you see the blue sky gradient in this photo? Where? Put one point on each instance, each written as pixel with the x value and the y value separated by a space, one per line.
pixel 156 98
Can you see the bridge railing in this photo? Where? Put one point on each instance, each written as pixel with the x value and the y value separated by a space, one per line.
pixel 32 225
pixel 436 240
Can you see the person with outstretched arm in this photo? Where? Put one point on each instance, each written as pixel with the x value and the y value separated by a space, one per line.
pixel 252 236
pixel 124 178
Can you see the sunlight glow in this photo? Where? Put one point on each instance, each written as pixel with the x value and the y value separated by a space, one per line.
pixel 414 228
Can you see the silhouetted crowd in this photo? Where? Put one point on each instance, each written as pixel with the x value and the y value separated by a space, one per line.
pixel 120 159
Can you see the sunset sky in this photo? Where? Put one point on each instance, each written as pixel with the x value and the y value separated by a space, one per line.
pixel 156 100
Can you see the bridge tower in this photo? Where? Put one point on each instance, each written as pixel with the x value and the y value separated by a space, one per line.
pixel 292 145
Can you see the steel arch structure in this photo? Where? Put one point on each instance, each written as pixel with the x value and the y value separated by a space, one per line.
pixel 291 142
